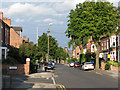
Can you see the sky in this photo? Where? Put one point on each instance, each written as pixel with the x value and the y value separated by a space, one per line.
pixel 30 14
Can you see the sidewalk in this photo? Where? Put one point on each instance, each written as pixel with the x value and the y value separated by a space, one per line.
pixel 36 80
pixel 111 73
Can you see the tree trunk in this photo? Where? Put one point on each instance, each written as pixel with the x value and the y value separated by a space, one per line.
pixel 97 57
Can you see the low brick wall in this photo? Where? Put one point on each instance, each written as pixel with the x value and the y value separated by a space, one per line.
pixel 21 68
pixel 114 68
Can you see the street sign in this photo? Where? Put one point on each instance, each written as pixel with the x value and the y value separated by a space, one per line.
pixel 112 57
pixel 108 55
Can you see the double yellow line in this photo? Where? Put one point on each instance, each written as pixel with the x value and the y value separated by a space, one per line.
pixel 60 87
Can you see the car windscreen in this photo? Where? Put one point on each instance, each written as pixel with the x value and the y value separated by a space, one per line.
pixel 88 63
pixel 76 62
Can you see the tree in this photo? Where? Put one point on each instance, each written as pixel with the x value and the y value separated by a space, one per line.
pixel 30 51
pixel 60 53
pixel 92 19
pixel 43 43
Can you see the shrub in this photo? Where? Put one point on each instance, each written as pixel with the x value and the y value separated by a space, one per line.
pixel 107 66
pixel 116 64
pixel 74 59
pixel 88 57
pixel 10 60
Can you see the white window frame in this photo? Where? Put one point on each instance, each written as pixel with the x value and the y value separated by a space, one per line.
pixel 102 45
pixel 107 44
pixel 118 39
pixel 111 41
pixel 93 50
pixel 111 53
pixel 118 56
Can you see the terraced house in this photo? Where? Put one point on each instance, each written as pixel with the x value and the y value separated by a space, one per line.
pixel 9 36
pixel 4 37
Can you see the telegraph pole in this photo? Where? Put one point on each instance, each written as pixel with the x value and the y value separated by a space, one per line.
pixel 37 35
pixel 48 45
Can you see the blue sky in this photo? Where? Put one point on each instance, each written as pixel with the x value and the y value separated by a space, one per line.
pixel 32 13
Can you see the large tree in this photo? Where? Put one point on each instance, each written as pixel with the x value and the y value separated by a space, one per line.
pixel 92 19
pixel 43 43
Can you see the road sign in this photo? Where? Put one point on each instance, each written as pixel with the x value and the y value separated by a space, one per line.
pixel 108 55
pixel 112 57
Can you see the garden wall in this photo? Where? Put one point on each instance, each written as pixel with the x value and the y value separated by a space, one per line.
pixel 21 68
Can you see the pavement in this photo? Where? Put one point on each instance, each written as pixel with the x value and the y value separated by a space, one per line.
pixel 41 79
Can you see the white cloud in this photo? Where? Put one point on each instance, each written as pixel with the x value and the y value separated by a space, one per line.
pixel 19 20
pixel 27 9
pixel 50 20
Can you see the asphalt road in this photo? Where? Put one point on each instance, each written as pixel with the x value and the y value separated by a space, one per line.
pixel 75 78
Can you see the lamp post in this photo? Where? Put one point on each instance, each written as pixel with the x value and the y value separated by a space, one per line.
pixel 48 44
pixel 50 24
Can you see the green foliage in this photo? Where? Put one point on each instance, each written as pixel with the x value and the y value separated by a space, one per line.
pixel 107 66
pixel 92 19
pixel 69 60
pixel 30 51
pixel 116 64
pixel 88 56
pixel 14 57
pixel 43 43
pixel 74 59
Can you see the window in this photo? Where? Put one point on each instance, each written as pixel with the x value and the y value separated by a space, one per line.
pixel 107 44
pixel 93 48
pixel 119 56
pixel 113 41
pixel 102 45
pixel 119 40
pixel 113 53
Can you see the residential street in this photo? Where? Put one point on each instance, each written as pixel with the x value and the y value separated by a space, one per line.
pixel 75 78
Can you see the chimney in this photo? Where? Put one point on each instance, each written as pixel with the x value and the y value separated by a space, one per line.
pixel 1 15
pixel 24 38
pixel 7 21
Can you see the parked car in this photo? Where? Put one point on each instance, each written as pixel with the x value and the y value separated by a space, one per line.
pixel 71 64
pixel 87 66
pixel 77 64
pixel 50 66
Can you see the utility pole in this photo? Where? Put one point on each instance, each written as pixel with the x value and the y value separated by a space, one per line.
pixel 37 35
pixel 48 45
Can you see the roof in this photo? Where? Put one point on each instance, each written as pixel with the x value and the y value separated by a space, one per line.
pixel 17 28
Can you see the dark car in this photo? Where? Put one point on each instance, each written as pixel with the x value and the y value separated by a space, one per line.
pixel 77 64
pixel 50 66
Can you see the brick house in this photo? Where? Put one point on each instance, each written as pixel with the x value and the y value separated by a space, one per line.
pixel 76 52
pixel 15 36
pixel 109 45
pixel 4 37
pixel 15 32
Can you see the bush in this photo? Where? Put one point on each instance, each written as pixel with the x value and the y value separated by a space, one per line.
pixel 107 66
pixel 88 57
pixel 10 60
pixel 69 60
pixel 116 64
pixel 74 59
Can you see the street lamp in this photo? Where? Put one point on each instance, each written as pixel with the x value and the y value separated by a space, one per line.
pixel 50 24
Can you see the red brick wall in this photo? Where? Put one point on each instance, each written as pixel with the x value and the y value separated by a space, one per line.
pixel 15 39
pixel 21 68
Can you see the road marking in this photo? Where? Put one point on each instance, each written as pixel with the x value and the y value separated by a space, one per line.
pixel 60 87
pixel 37 83
pixel 53 80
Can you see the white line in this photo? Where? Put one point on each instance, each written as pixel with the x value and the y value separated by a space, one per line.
pixel 53 80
